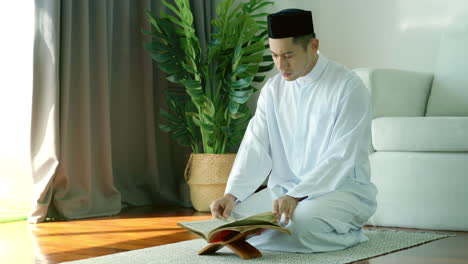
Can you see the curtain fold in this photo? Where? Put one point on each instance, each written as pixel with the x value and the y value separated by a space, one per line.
pixel 45 112
pixel 95 144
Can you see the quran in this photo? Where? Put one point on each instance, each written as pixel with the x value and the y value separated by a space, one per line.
pixel 216 230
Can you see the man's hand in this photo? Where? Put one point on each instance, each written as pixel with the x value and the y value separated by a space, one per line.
pixel 222 207
pixel 285 205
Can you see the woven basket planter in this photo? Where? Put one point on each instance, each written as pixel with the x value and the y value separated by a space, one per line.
pixel 207 175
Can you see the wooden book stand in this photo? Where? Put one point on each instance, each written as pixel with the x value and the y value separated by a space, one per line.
pixel 237 244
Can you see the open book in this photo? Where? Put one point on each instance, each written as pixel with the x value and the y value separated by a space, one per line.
pixel 215 230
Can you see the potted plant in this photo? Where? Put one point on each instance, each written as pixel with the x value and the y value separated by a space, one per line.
pixel 206 107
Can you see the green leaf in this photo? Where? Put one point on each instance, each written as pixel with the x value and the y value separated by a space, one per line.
pixel 239 100
pixel 194 89
pixel 161 58
pixel 169 116
pixel 263 34
pixel 252 69
pixel 154 34
pixel 236 115
pixel 172 8
pixel 175 78
pixel 227 131
pixel 169 68
pixel 207 127
pixel 165 128
pixel 266 68
pixel 152 19
pixel 247 30
pixel 241 94
pixel 259 78
pixel 209 108
pixel 242 83
pixel 196 120
pixel 146 32
pixel 168 29
pixel 237 56
pixel 189 68
pixel 179 133
pixel 260 15
pixel 184 7
pixel 156 47
pixel 267 58
pixel 239 69
pixel 173 19
pixel 191 84
pixel 233 107
pixel 254 48
pixel 256 58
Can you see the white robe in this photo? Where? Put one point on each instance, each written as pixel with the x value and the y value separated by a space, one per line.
pixel 311 136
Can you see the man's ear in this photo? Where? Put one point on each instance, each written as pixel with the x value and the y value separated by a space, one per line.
pixel 314 45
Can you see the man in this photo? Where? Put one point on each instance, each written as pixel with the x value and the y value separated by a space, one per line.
pixel 310 134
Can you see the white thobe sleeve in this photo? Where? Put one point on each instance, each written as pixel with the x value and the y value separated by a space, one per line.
pixel 253 161
pixel 349 140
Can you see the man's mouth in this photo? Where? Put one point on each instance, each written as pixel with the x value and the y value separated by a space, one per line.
pixel 286 74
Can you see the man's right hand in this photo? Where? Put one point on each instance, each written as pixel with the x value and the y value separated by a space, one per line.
pixel 222 207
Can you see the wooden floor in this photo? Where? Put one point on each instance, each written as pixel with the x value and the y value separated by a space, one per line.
pixel 55 242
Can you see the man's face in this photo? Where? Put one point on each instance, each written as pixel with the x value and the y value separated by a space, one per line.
pixel 292 60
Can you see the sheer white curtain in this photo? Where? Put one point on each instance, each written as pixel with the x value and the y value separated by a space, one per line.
pixel 16 65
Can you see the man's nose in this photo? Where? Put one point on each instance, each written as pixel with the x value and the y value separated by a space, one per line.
pixel 282 64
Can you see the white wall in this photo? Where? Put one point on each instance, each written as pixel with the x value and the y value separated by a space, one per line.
pixel 401 34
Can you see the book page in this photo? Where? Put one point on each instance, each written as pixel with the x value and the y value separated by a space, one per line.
pixel 204 227
pixel 207 228
pixel 258 219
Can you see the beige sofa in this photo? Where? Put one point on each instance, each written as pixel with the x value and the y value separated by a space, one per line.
pixel 419 158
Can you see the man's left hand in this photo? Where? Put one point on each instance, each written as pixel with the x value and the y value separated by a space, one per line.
pixel 285 205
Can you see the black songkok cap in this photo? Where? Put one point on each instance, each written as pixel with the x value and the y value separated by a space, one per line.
pixel 290 23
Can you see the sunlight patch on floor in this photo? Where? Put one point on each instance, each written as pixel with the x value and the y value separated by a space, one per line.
pixel 16 244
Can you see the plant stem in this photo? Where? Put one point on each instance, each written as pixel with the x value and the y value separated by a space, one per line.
pixel 226 138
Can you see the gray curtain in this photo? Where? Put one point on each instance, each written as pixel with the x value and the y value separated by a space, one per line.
pixel 95 145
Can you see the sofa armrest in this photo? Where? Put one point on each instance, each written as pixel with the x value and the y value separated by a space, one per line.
pixel 432 134
pixel 397 92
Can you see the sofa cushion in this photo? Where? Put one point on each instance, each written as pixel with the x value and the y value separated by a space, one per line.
pixel 449 94
pixel 420 134
pixel 421 189
pixel 397 92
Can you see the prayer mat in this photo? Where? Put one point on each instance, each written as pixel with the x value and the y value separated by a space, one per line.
pixel 380 242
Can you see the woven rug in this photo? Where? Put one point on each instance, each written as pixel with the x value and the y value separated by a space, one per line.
pixel 380 242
